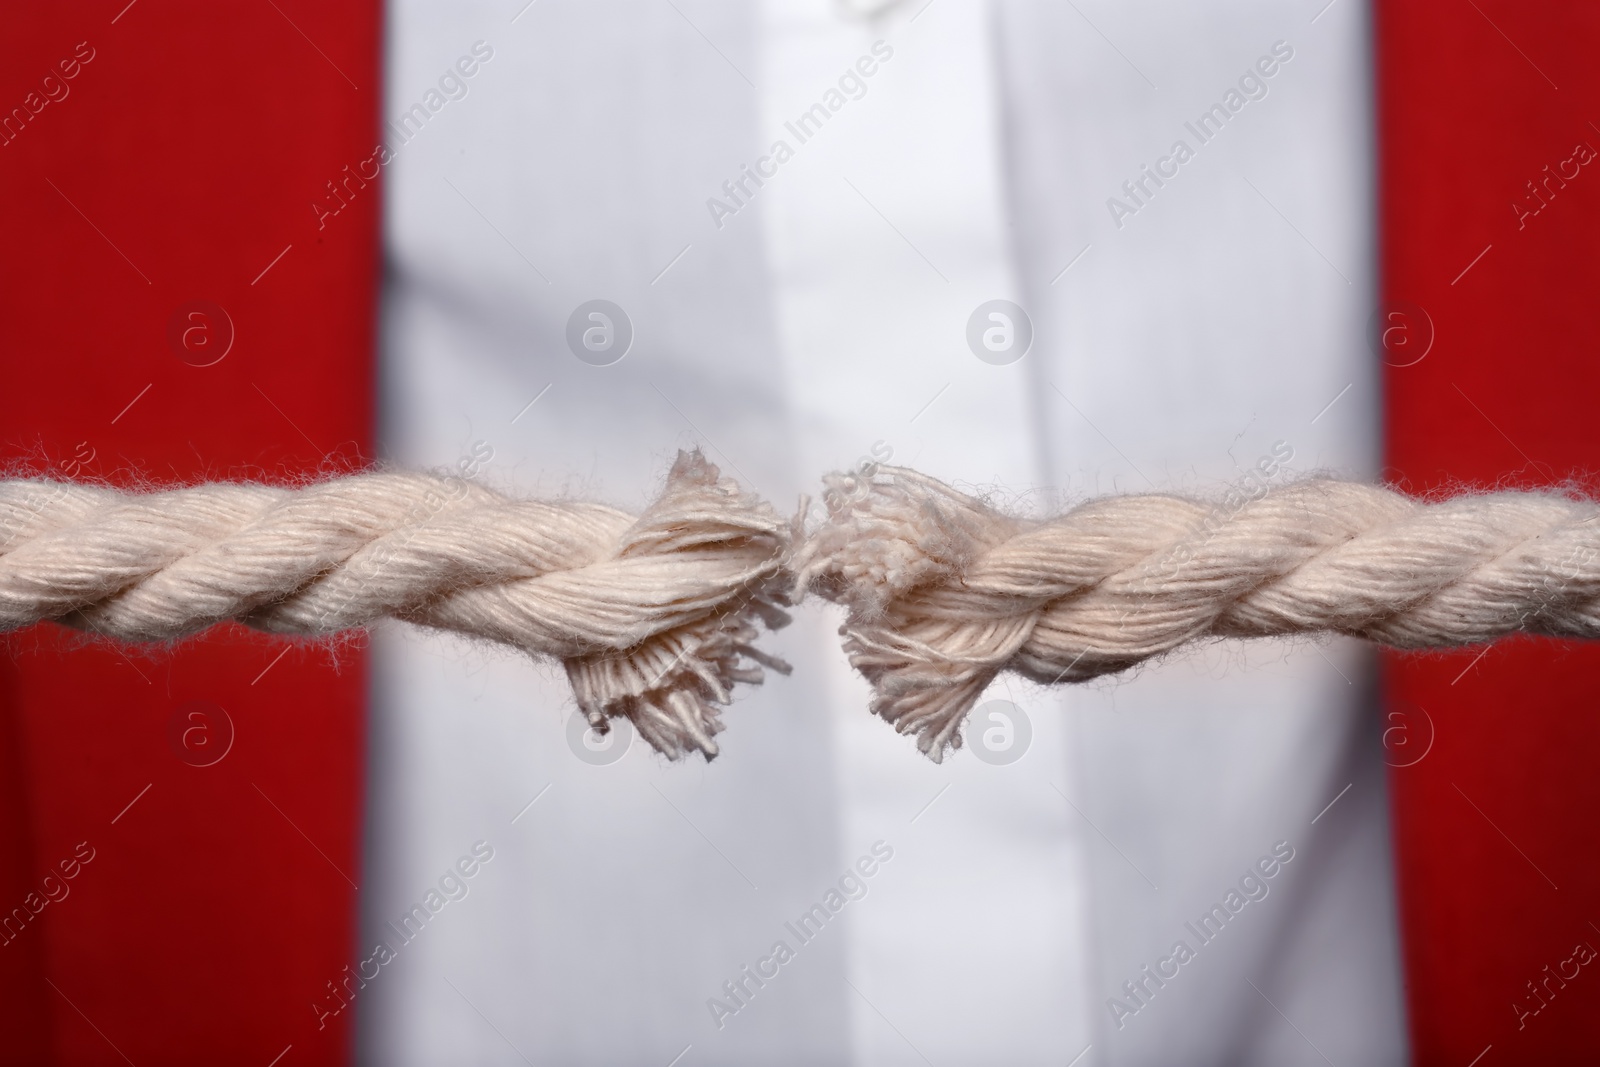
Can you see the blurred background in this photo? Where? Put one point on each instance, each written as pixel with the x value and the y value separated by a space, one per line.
pixel 1042 251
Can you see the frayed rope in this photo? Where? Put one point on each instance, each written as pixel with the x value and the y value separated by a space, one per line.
pixel 655 616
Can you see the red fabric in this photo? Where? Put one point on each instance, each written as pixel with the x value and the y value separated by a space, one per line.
pixel 180 162
pixel 1495 837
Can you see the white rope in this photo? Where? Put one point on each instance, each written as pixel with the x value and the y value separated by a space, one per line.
pixel 655 616
pixel 945 592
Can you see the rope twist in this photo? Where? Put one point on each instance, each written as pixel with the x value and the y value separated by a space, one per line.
pixel 655 616
pixel 945 592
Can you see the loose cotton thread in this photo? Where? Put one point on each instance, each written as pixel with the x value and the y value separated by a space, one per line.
pixel 656 616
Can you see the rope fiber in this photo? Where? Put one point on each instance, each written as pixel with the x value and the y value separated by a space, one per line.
pixel 655 616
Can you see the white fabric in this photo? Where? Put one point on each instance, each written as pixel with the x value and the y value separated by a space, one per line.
pixel 811 326
pixel 974 953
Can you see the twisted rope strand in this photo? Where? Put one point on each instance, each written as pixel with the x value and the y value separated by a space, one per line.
pixel 655 616
pixel 945 592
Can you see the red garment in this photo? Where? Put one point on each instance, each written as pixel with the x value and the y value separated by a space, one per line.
pixel 166 153
pixel 1495 825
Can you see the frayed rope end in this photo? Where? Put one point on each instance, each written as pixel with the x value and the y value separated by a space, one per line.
pixel 886 536
pixel 671 684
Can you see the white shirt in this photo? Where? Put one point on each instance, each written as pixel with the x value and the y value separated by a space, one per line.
pixel 802 323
